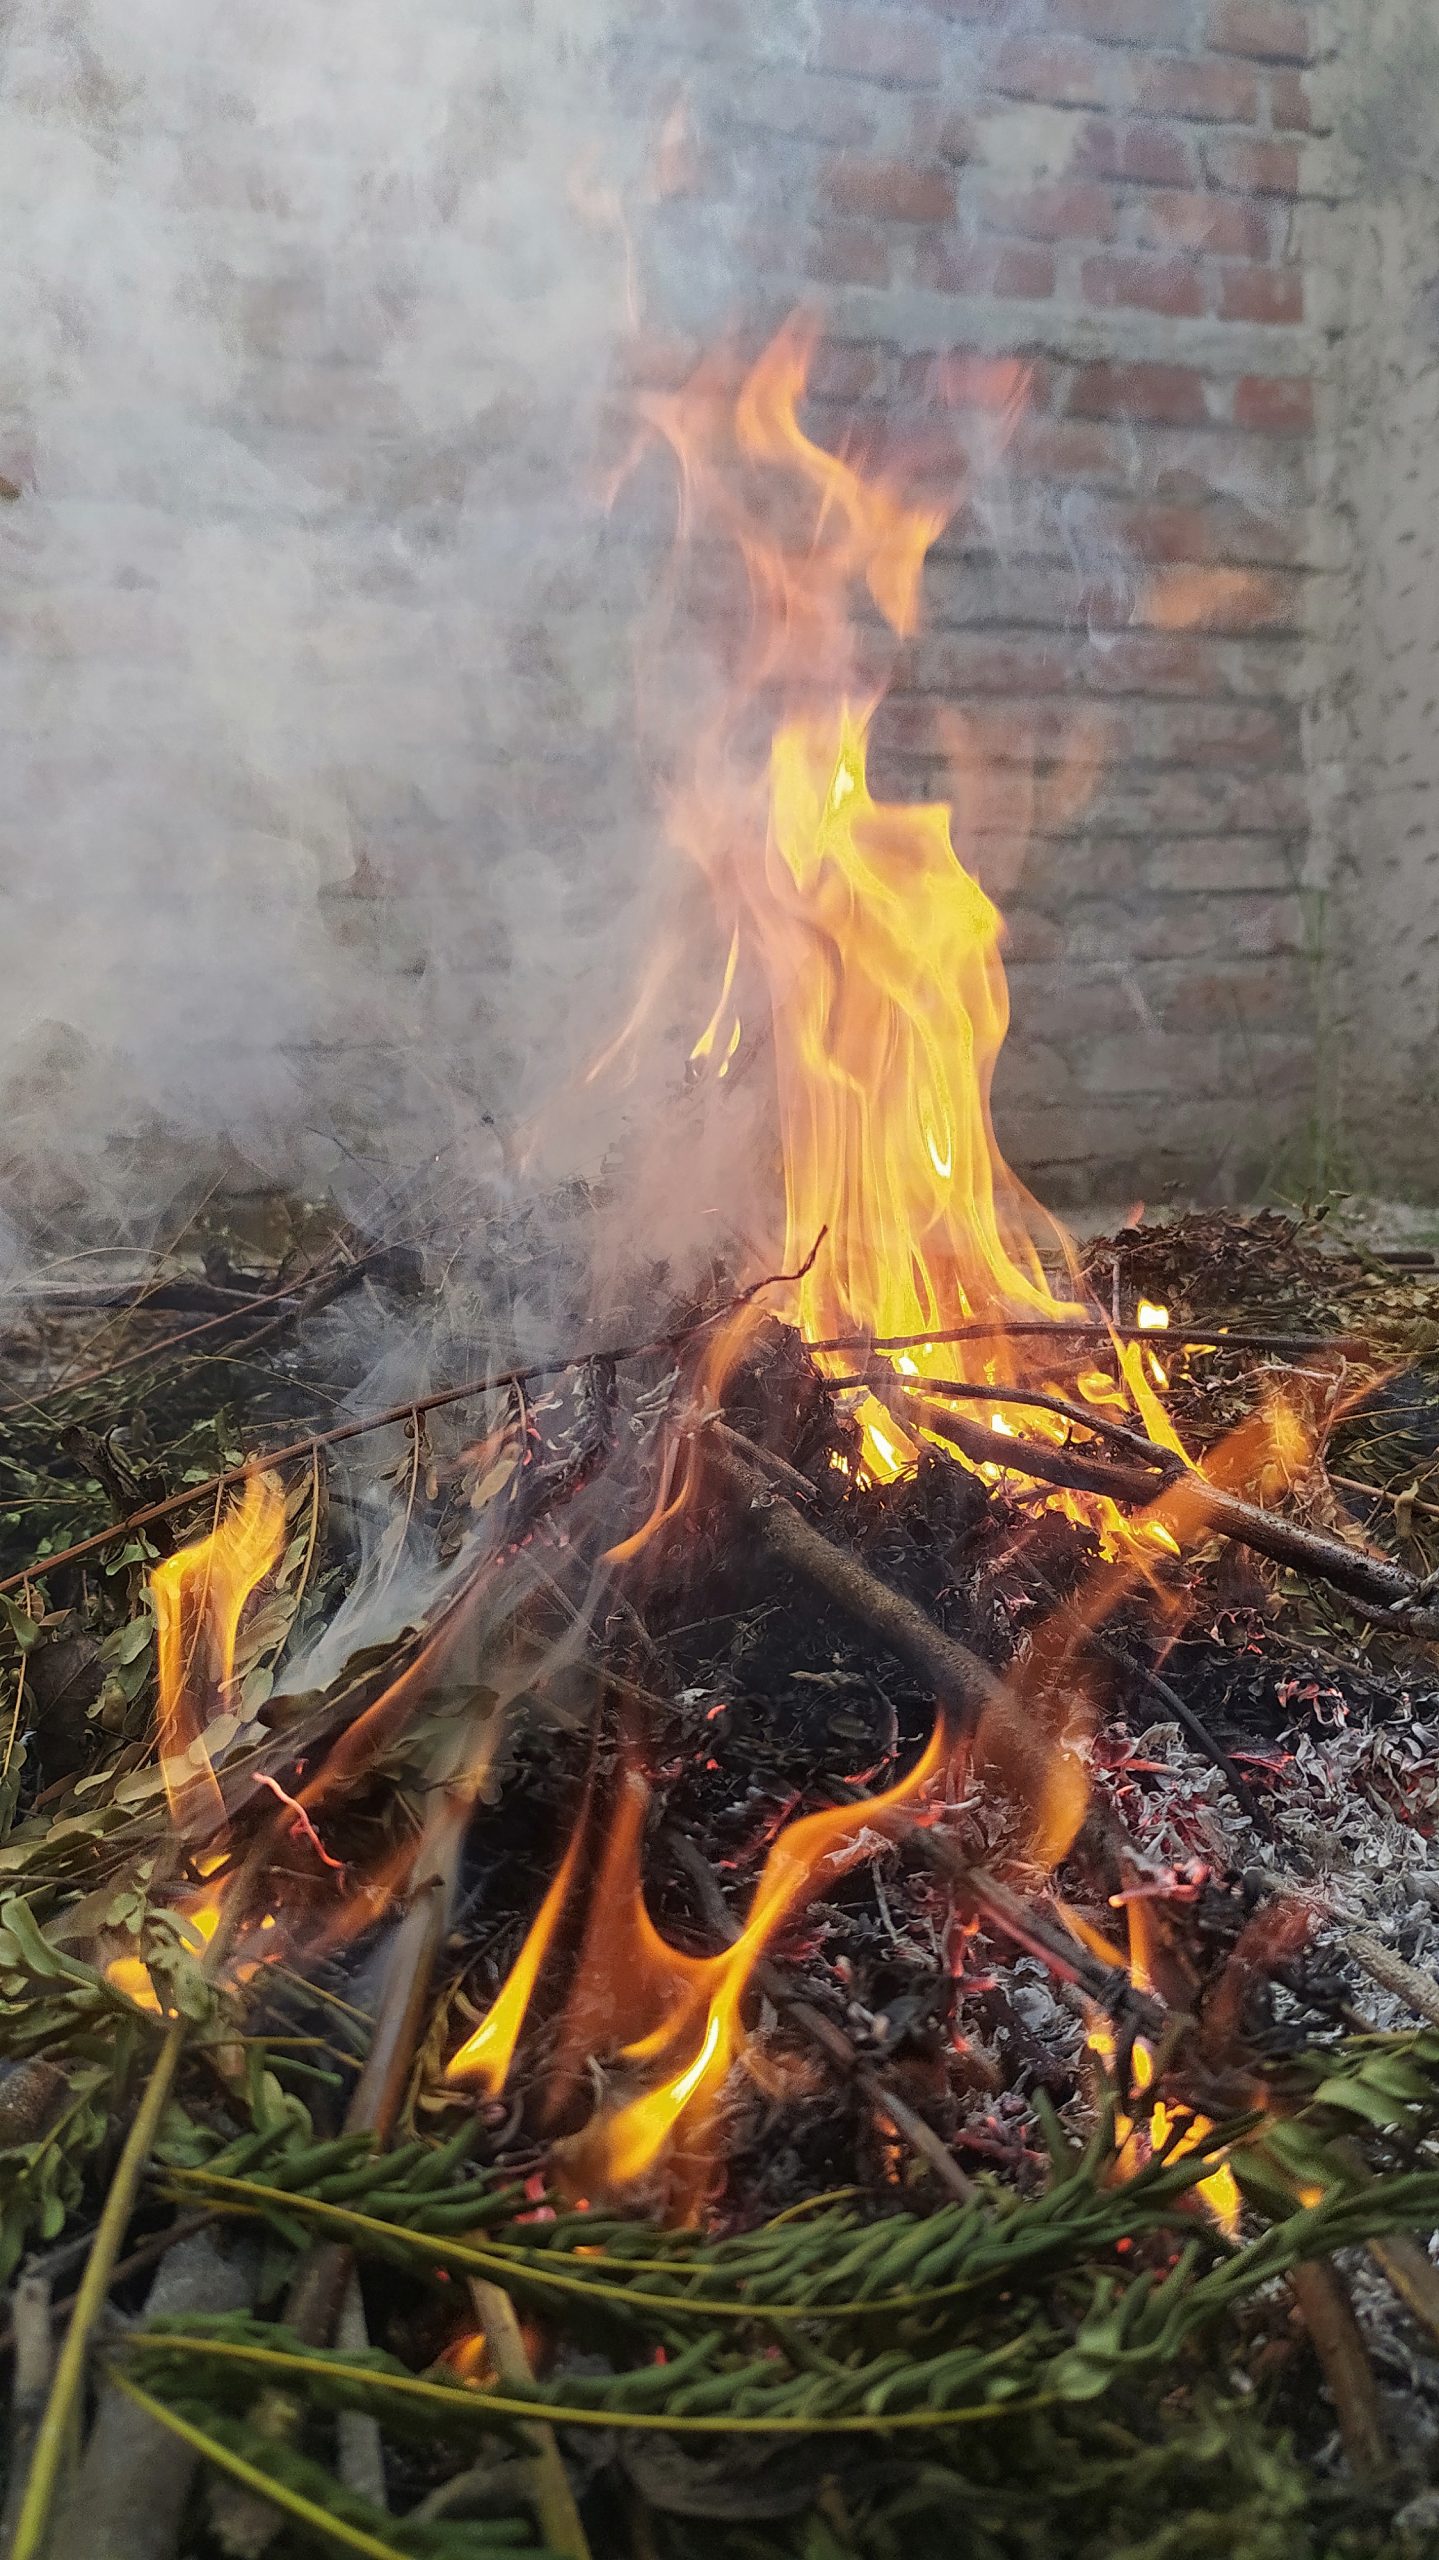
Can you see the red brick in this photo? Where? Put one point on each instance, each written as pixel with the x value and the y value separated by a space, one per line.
pixel 1170 285
pixel 1290 109
pixel 1205 92
pixel 1274 405
pixel 1069 449
pixel 1123 21
pixel 807 106
pixel 1266 30
pixel 1273 294
pixel 1147 155
pixel 1051 72
pixel 869 45
pixel 1168 394
pixel 889 191
pixel 1203 598
pixel 1222 225
pixel 1065 211
pixel 1019 268
pixel 847 253
pixel 1253 168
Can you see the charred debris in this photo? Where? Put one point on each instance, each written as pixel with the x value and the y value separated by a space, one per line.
pixel 1066 2171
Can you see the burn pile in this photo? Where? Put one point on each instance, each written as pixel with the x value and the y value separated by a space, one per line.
pixel 808 1912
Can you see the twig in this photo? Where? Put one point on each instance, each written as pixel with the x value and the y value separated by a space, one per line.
pixel 1393 1975
pixel 359 2452
pixel 964 1686
pixel 963 1390
pixel 1328 2315
pixel 1107 1986
pixel 318 2292
pixel 1384 1589
pixel 263 1459
pixel 1205 1337
pixel 63 2406
pixel 29 2386
pixel 831 2040
pixel 555 2509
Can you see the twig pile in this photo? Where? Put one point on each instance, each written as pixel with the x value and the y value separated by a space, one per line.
pixel 954 2255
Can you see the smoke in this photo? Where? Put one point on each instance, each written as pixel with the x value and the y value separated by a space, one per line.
pixel 318 817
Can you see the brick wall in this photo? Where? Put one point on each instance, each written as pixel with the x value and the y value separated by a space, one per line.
pixel 360 641
pixel 1113 189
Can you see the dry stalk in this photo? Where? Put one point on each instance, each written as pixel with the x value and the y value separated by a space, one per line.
pixel 555 2509
pixel 1328 2316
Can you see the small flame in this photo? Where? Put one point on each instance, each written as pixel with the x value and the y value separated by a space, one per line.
pixel 485 2056
pixel 670 2018
pixel 199 1597
pixel 1152 1319
pixel 1174 2132
pixel 132 1976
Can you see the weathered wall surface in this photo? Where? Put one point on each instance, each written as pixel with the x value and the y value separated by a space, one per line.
pixel 1377 763
pixel 310 616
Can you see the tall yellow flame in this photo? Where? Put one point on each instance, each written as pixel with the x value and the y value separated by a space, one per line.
pixel 199 1597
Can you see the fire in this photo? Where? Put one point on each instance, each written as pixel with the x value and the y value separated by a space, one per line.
pixel 878 951
pixel 669 2020
pixel 199 1597
pixel 1174 2132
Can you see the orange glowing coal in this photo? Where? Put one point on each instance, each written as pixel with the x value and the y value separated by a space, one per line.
pixel 877 950
pixel 199 1596
pixel 671 2023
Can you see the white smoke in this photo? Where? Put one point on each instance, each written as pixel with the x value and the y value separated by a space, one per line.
pixel 316 809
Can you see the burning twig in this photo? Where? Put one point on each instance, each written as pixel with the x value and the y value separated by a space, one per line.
pixel 555 2509
pixel 1026 1926
pixel 830 2039
pixel 1003 1329
pixel 1385 1590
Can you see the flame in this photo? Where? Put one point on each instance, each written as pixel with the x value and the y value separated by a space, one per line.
pixel 485 2057
pixel 666 2018
pixel 878 950
pixel 1173 2131
pixel 198 1596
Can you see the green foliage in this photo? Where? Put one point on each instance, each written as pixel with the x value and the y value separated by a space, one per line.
pixel 1012 2377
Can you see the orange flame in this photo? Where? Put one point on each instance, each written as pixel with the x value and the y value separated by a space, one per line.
pixel 1173 2131
pixel 199 1597
pixel 880 953
pixel 669 2018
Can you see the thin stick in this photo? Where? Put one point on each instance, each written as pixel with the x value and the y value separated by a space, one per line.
pixel 318 2293
pixel 314 1441
pixel 1402 1981
pixel 63 2406
pixel 29 2384
pixel 1208 1338
pixel 1083 1417
pixel 963 1685
pixel 1328 2315
pixel 1383 1588
pixel 555 2509
pixel 831 2040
